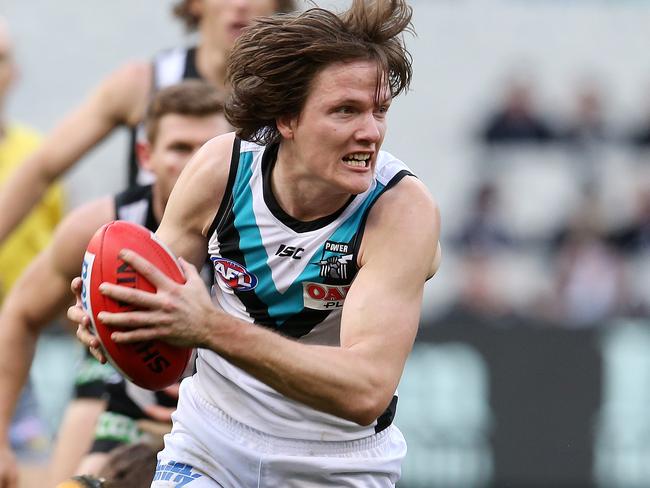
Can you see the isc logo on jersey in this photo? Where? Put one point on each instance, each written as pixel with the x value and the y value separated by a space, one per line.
pixel 318 296
pixel 234 275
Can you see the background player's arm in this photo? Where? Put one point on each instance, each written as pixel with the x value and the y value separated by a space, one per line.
pixel 120 99
pixel 38 297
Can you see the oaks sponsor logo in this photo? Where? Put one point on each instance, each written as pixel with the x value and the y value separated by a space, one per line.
pixel 234 275
pixel 319 296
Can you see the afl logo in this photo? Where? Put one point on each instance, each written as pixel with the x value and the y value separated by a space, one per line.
pixel 234 275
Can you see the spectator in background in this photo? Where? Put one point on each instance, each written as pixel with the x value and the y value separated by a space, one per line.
pixel 590 282
pixel 640 135
pixel 587 125
pixel 586 132
pixel 517 121
pixel 480 297
pixel 635 237
pixel 27 240
pixel 484 229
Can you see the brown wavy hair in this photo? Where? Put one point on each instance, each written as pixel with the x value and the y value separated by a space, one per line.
pixel 274 62
pixel 183 12
pixel 193 98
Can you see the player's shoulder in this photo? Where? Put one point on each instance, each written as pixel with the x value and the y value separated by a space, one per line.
pixel 213 158
pixel 403 189
pixel 404 216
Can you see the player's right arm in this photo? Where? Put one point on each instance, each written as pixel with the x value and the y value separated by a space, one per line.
pixel 39 296
pixel 119 99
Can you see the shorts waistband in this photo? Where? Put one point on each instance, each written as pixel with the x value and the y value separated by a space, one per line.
pixel 271 443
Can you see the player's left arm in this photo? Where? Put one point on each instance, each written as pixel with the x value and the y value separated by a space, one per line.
pixel 357 380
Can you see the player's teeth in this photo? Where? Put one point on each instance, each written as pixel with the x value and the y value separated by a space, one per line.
pixel 356 164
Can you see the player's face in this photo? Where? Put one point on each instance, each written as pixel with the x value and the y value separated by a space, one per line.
pixel 337 136
pixel 223 20
pixel 177 139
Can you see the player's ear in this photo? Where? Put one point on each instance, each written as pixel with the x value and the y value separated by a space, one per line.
pixel 143 151
pixel 286 125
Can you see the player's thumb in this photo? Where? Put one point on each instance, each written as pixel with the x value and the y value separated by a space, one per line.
pixel 189 270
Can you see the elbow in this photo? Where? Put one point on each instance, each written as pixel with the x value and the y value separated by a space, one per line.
pixel 367 408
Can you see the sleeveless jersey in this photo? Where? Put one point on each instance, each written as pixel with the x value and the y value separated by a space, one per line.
pixel 288 276
pixel 169 67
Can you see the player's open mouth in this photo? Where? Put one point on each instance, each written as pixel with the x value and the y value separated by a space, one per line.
pixel 357 160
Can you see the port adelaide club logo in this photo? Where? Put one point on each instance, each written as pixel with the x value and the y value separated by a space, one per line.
pixel 320 296
pixel 234 275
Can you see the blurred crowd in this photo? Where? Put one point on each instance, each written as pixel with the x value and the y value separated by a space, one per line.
pixel 556 228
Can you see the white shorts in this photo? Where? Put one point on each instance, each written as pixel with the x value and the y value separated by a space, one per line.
pixel 207 449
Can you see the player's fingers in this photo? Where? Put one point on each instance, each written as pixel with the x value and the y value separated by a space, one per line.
pixel 133 319
pixel 188 268
pixel 86 337
pixel 132 296
pixel 136 335
pixel 76 286
pixel 98 354
pixel 156 277
pixel 77 315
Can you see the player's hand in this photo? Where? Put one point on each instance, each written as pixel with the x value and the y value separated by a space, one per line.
pixel 8 467
pixel 180 314
pixel 78 315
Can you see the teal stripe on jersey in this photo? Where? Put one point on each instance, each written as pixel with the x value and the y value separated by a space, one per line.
pixel 281 306
pixel 343 233
pixel 244 172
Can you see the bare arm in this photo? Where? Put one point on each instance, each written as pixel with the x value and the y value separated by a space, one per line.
pixel 39 296
pixel 380 317
pixel 120 99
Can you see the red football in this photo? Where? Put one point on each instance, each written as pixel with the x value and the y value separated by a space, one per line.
pixel 154 364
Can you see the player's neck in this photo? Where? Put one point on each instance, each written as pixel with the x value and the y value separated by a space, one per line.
pixel 301 195
pixel 211 63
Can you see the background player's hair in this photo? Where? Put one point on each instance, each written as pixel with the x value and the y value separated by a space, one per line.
pixel 183 11
pixel 130 466
pixel 192 98
pixel 273 62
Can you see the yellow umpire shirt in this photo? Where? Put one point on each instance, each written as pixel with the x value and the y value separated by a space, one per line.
pixel 35 231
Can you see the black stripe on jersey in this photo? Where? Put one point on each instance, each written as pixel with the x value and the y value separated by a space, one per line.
pixel 132 161
pixel 190 72
pixel 268 162
pixel 228 236
pixel 358 237
pixel 303 322
pixel 386 418
pixel 227 200
pixel 229 249
pixel 133 195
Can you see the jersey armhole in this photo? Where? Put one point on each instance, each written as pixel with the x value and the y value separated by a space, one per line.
pixel 356 245
pixel 227 200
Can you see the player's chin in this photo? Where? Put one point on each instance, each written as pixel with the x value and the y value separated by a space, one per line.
pixel 355 184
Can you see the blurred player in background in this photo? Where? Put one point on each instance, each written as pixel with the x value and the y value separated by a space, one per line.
pixel 121 99
pixel 321 245
pixel 29 238
pixel 16 143
pixel 180 119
